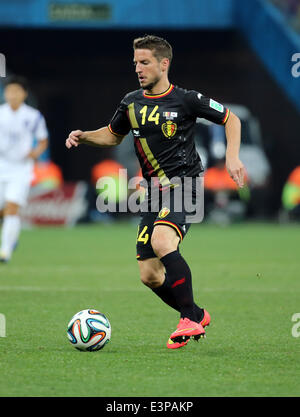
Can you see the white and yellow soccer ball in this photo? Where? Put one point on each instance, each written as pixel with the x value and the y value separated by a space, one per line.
pixel 89 330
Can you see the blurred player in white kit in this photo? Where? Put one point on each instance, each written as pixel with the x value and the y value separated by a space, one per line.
pixel 20 125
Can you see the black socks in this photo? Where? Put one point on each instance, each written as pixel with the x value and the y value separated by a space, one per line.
pixel 164 293
pixel 176 291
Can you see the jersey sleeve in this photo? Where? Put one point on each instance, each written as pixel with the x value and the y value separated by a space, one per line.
pixel 119 124
pixel 40 128
pixel 205 107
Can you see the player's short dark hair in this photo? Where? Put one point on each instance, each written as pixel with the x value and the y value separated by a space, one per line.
pixel 159 46
pixel 17 79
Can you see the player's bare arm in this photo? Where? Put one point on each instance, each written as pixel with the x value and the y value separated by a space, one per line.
pixel 39 149
pixel 234 166
pixel 101 137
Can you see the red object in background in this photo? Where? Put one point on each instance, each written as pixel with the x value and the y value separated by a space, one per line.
pixel 45 171
pixel 106 168
pixel 294 177
pixel 218 179
pixel 64 205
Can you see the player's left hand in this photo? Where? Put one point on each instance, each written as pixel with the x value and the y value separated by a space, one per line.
pixel 236 171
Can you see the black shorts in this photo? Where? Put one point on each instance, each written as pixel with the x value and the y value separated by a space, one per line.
pixel 166 213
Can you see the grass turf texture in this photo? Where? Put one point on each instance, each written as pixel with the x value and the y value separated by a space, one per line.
pixel 247 276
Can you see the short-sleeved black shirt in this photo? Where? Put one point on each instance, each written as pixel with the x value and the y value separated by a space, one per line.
pixel 163 130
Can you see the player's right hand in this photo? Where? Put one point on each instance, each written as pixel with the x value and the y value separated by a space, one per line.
pixel 73 139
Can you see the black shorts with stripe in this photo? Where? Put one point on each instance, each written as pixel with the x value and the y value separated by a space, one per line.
pixel 170 210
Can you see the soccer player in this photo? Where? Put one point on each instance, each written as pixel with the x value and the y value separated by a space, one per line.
pixel 20 124
pixel 162 118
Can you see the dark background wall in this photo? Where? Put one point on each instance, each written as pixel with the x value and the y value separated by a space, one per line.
pixel 80 76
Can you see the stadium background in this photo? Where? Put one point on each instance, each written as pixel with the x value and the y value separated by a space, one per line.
pixel 77 57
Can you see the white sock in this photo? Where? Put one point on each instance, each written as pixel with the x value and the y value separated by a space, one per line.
pixel 11 228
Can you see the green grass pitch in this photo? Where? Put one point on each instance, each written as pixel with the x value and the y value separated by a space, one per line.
pixel 247 276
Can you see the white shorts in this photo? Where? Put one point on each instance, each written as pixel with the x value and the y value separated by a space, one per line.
pixel 14 190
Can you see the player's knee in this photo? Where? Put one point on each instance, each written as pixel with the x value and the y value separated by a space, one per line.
pixel 152 272
pixel 159 246
pixel 151 278
pixel 11 209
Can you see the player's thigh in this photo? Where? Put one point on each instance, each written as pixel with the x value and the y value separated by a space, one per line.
pixel 152 272
pixel 169 227
pixel 164 240
pixel 144 249
pixel 17 191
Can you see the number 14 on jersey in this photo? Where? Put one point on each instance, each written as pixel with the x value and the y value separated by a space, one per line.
pixel 152 117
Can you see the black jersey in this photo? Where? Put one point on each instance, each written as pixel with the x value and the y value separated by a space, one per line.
pixel 163 130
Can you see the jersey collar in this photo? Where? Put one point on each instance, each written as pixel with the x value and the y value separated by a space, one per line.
pixel 165 93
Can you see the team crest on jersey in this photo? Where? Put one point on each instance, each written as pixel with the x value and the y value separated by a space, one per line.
pixel 169 129
pixel 163 212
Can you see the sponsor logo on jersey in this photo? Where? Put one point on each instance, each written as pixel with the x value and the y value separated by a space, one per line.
pixel 163 212
pixel 169 129
pixel 216 106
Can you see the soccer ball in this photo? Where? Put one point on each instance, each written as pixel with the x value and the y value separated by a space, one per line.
pixel 89 330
